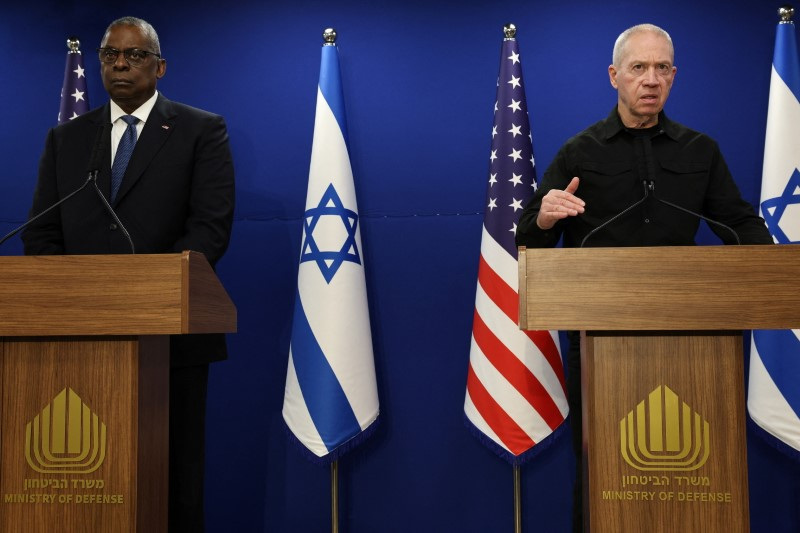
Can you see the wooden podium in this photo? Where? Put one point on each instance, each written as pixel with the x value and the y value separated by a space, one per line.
pixel 84 385
pixel 662 372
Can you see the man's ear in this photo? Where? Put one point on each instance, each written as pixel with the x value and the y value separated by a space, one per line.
pixel 162 68
pixel 612 75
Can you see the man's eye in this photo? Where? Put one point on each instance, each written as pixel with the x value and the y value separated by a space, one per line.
pixel 136 54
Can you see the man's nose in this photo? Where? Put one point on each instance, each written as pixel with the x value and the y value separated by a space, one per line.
pixel 650 77
pixel 121 63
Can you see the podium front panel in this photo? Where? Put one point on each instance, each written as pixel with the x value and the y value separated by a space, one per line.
pixel 664 435
pixel 83 434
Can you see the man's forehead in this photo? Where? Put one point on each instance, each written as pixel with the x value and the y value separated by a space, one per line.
pixel 647 47
pixel 125 33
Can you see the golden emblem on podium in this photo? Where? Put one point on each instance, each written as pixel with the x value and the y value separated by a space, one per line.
pixel 66 437
pixel 663 433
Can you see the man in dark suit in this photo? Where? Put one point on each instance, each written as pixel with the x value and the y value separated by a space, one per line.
pixel 176 193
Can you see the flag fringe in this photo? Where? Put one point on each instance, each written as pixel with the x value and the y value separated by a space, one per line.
pixel 772 441
pixel 335 454
pixel 514 460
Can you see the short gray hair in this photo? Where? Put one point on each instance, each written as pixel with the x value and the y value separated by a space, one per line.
pixel 147 29
pixel 622 40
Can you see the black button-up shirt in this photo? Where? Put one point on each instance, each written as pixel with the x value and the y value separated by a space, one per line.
pixel 685 167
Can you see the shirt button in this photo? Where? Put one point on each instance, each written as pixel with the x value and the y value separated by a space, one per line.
pixel 112 226
pixel 647 221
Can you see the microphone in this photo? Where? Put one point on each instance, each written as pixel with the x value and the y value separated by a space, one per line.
pixel 95 161
pixel 618 215
pixel 98 149
pixel 651 185
pixel 93 168
pixel 698 215
pixel 113 214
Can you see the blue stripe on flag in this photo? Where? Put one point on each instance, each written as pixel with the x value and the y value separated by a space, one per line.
pixel 786 61
pixel 775 347
pixel 330 84
pixel 327 404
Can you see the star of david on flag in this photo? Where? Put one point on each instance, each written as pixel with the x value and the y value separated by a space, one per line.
pixel 516 395
pixel 329 260
pixel 74 96
pixel 773 400
pixel 331 397
pixel 774 209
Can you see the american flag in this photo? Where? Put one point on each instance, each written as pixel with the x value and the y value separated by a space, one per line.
pixel 74 96
pixel 515 384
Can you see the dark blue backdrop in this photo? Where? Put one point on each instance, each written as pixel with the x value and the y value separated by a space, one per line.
pixel 419 80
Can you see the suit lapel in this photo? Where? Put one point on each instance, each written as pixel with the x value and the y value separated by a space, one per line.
pixel 156 130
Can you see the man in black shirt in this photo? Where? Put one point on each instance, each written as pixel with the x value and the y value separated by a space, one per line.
pixel 612 165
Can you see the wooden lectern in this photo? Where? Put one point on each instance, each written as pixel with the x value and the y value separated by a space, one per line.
pixel 84 385
pixel 662 372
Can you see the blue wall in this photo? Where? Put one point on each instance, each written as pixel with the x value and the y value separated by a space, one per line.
pixel 419 80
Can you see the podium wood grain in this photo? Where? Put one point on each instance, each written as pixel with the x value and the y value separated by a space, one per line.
pixel 654 317
pixel 660 288
pixel 99 326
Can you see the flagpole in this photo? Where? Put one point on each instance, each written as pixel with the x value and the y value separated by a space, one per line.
pixel 517 501
pixel 335 496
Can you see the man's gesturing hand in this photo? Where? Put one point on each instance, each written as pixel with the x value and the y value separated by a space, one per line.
pixel 558 204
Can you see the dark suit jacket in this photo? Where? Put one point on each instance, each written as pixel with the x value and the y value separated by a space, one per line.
pixel 177 194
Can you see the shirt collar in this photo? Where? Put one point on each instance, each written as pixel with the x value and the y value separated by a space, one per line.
pixel 142 112
pixel 613 125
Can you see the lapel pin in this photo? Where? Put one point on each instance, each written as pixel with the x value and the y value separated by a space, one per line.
pixel 165 126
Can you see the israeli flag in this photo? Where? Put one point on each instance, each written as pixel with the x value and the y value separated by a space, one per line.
pixel 774 391
pixel 331 396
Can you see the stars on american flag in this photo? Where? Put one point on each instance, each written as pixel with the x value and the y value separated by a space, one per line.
pixel 511 178
pixel 503 358
pixel 74 96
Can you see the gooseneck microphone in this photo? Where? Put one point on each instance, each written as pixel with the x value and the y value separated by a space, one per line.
pixel 618 215
pixel 113 214
pixel 95 161
pixel 651 185
pixel 646 170
pixel 94 166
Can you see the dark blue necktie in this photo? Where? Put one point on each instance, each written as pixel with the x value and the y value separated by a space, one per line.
pixel 123 155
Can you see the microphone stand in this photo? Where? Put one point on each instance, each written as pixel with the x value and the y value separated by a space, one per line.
pixel 92 176
pixel 698 215
pixel 618 215
pixel 112 212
